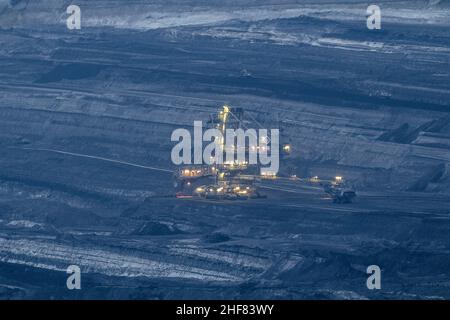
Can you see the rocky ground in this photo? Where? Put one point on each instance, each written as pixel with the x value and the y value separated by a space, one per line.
pixel 85 170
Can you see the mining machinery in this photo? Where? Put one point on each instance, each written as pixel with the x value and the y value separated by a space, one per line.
pixel 339 190
pixel 240 180
pixel 228 180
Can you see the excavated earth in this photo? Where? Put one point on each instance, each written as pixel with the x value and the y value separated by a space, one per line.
pixel 85 171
